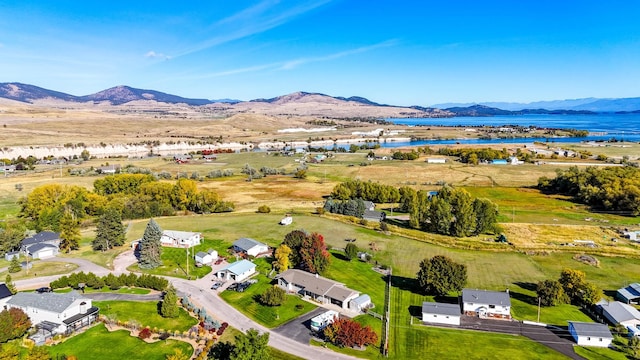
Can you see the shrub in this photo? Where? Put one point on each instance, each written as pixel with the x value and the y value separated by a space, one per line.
pixel 273 296
pixel 264 209
pixel 144 333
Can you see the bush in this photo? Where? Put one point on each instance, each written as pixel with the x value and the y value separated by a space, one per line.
pixel 273 296
pixel 144 333
pixel 264 209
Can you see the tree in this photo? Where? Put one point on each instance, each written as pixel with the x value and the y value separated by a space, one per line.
pixel 85 155
pixel 251 346
pixel 10 351
pixel 590 294
pixel 551 293
pixel 351 251
pixel 441 275
pixel 222 350
pixel 13 324
pixel 150 246
pixel 300 174
pixel 281 255
pixel 109 231
pixel 573 281
pixel 14 265
pixel 10 284
pixel 69 232
pixel 464 223
pixel 440 216
pixel 486 215
pixel 38 353
pixel 273 296
pixel 313 254
pixel 634 346
pixel 294 241
pixel 169 307
pixel 346 332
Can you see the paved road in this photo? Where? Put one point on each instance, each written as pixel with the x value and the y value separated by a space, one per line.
pixel 298 329
pixel 542 335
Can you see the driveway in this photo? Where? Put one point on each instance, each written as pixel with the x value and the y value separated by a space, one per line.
pixel 298 329
pixel 539 334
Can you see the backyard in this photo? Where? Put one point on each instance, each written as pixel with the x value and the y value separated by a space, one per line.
pixel 145 313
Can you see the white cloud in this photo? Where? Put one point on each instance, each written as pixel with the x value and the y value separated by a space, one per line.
pixel 154 55
pixel 291 64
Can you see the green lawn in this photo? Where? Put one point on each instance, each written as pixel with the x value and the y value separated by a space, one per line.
pixel 99 343
pixel 174 263
pixel 407 340
pixel 41 269
pixel 594 353
pixel 144 313
pixel 269 316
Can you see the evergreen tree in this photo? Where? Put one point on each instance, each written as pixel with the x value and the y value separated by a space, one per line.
pixel 10 284
pixel 14 265
pixel 150 246
pixel 110 230
pixel 251 346
pixel 69 232
pixel 169 307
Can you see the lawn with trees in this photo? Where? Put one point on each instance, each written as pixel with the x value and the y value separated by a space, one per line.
pixel 145 313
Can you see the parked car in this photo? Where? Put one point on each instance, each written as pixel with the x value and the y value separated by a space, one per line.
pixel 43 290
pixel 216 285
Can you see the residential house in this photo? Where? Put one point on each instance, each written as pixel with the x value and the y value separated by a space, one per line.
pixel 590 334
pixel 176 238
pixel 109 169
pixel 441 313
pixel 42 245
pixel 5 295
pixel 369 205
pixel 250 247
pixel 56 313
pixel 374 215
pixel 629 294
pixel 318 288
pixel 484 303
pixel 361 303
pixel 237 271
pixel 618 313
pixel 632 235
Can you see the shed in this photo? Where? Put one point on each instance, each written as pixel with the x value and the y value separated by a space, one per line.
pixel 590 334
pixel 203 258
pixel 441 313
pixel 361 303
pixel 629 294
pixel 618 313
pixel 11 254
pixel 250 247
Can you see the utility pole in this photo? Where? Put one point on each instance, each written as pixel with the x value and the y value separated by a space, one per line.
pixel 187 262
pixel 538 308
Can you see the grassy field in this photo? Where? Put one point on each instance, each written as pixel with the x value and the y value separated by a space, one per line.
pixel 99 343
pixel 145 314
pixel 593 353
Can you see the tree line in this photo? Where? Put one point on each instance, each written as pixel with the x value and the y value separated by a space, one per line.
pixel 449 211
pixel 112 281
pixel 474 156
pixel 603 188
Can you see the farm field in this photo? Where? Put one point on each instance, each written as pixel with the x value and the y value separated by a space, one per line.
pixel 99 343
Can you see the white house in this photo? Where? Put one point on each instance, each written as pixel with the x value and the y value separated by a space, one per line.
pixel 316 287
pixel 176 238
pixel 237 271
pixel 590 334
pixel 361 303
pixel 56 313
pixel 204 258
pixel 632 235
pixel 484 303
pixel 441 313
pixel 618 313
pixel 42 245
pixel 250 247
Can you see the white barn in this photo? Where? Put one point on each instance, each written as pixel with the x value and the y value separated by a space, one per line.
pixel 590 334
pixel 176 238
pixel 250 247
pixel 441 313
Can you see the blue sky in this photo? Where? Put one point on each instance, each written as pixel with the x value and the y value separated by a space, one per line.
pixel 395 52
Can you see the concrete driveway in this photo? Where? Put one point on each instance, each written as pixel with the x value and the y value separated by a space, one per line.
pixel 298 329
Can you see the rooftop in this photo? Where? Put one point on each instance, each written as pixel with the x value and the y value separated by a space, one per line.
pixel 246 243
pixel 591 329
pixel 620 312
pixel 41 237
pixel 630 292
pixel 316 284
pixel 4 291
pixel 54 302
pixel 175 234
pixel 239 267
pixel 441 308
pixel 486 297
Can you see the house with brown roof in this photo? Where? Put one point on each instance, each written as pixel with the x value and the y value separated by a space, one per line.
pixel 316 287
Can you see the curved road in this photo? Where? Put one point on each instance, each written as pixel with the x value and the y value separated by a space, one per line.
pixel 200 293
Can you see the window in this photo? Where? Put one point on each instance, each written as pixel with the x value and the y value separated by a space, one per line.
pixel 589 338
pixel 492 306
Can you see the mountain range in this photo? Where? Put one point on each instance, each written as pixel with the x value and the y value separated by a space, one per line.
pixel 124 94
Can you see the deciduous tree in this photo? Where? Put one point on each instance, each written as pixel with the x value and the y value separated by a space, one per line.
pixel 69 232
pixel 251 346
pixel 551 293
pixel 10 284
pixel 441 275
pixel 351 251
pixel 573 282
pixel 345 332
pixel 13 324
pixel 281 255
pixel 313 254
pixel 273 296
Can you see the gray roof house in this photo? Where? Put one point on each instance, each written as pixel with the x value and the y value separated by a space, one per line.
pixel 56 312
pixel 5 295
pixel 250 247
pixel 619 313
pixel 441 313
pixel 320 289
pixel 484 303
pixel 369 205
pixel 374 215
pixel 590 334
pixel 43 251
pixel 629 294
pixel 43 237
pixel 11 254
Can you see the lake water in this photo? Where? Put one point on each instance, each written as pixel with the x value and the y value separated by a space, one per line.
pixel 607 126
